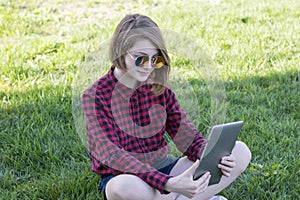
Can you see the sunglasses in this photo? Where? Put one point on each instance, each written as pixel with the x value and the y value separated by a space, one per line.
pixel 157 61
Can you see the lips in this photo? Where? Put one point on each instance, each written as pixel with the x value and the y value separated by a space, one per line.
pixel 144 73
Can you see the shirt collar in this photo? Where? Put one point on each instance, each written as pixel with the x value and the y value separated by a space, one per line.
pixel 143 88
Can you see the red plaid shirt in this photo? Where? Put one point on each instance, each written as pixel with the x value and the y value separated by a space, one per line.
pixel 126 127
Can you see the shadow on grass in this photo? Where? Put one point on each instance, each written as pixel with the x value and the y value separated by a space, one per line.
pixel 41 154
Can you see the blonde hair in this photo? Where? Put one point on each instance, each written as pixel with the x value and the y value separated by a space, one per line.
pixel 131 28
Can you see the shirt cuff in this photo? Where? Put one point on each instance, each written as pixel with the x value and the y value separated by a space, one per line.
pixel 194 151
pixel 156 179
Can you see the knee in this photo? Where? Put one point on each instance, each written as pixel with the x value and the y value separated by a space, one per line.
pixel 126 187
pixel 243 155
pixel 113 190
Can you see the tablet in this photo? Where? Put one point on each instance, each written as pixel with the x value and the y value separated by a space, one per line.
pixel 220 143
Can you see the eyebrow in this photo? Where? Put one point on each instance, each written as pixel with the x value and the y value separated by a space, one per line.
pixel 145 54
pixel 140 52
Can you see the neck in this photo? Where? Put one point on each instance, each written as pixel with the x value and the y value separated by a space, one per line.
pixel 125 78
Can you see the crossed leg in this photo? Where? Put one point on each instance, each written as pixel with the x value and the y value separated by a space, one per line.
pixel 242 155
pixel 130 187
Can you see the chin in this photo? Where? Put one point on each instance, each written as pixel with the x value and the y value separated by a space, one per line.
pixel 142 79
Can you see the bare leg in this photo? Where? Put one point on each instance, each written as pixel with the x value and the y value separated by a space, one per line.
pixel 243 156
pixel 130 187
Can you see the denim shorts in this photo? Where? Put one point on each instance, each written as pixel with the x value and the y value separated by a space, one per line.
pixel 164 166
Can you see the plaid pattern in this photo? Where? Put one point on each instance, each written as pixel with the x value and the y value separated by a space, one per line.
pixel 125 129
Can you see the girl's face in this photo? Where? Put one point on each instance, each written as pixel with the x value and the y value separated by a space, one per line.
pixel 142 47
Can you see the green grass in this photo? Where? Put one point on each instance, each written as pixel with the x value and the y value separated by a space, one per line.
pixel 255 46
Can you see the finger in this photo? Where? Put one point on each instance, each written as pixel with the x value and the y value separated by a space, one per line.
pixel 203 179
pixel 224 167
pixel 204 185
pixel 207 175
pixel 231 164
pixel 225 170
pixel 225 173
pixel 206 178
pixel 193 168
pixel 229 158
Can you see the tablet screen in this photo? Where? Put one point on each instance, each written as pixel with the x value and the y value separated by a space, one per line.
pixel 221 141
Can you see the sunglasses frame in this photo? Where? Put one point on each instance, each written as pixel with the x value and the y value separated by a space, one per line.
pixel 152 59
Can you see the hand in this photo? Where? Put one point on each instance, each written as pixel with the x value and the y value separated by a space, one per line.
pixel 227 164
pixel 185 185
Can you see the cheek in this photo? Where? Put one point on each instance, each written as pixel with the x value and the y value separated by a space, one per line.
pixel 129 63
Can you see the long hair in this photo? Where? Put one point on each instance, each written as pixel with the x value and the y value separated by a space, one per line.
pixel 129 30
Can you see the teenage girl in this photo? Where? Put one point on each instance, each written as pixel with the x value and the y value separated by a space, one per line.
pixel 129 110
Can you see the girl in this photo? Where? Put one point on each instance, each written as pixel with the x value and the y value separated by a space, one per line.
pixel 129 110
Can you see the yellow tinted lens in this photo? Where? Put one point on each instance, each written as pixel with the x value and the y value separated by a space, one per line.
pixel 159 62
pixel 146 62
pixel 159 65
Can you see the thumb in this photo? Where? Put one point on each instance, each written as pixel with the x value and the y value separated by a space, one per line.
pixel 192 168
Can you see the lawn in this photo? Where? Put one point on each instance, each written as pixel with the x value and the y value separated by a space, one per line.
pixel 51 50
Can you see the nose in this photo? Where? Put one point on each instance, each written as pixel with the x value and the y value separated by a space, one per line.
pixel 148 65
